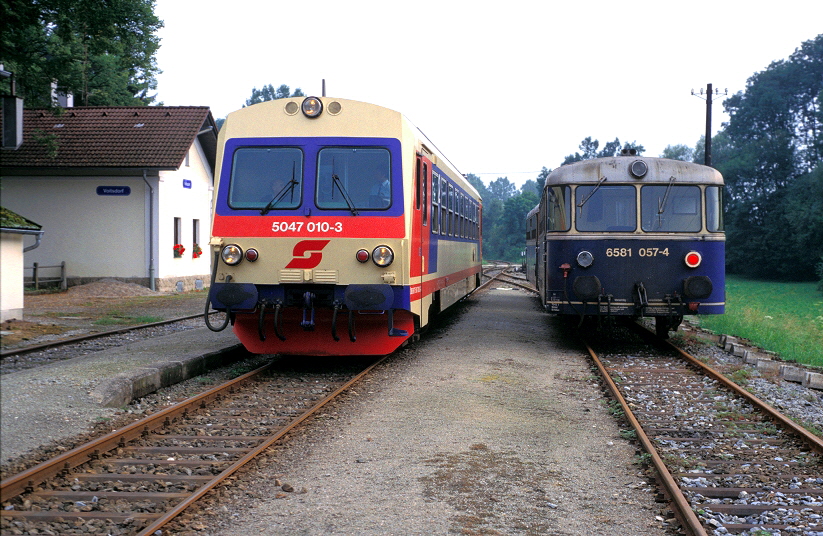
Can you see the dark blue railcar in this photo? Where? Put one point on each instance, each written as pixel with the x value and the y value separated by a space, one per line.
pixel 630 236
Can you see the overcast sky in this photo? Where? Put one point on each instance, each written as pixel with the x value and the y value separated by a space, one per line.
pixel 502 88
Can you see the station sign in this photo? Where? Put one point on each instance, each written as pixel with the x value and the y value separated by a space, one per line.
pixel 113 190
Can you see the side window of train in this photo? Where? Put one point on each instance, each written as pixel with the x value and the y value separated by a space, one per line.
pixel 670 208
pixel 714 209
pixel 606 208
pixel 451 210
pixel 444 207
pixel 558 208
pixel 266 177
pixel 435 202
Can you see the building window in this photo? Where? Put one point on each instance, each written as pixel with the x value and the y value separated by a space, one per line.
pixel 178 231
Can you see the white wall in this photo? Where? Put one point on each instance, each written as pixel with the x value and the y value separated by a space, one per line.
pixel 97 235
pixel 188 204
pixel 11 276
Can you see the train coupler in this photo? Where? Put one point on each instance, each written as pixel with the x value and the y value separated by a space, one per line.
pixel 308 311
pixel 642 298
pixel 394 332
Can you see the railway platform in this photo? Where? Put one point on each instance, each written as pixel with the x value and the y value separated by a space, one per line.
pixel 46 403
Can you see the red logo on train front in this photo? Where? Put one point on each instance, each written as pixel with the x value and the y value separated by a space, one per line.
pixel 313 247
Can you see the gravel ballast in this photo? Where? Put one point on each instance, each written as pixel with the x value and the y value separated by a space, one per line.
pixel 493 425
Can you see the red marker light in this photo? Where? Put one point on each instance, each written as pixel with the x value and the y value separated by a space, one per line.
pixel 693 259
pixel 251 255
pixel 362 255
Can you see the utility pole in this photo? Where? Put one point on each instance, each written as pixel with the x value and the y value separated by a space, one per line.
pixel 710 96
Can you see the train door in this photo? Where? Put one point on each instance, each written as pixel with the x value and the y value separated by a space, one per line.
pixel 420 231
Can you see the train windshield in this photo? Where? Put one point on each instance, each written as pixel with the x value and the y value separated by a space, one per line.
pixel 606 208
pixel 558 208
pixel 714 209
pixel 266 178
pixel 354 178
pixel 670 209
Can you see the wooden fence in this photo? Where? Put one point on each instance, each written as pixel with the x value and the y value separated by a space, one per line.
pixel 56 274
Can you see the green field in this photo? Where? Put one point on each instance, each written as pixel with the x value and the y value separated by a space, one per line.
pixel 786 318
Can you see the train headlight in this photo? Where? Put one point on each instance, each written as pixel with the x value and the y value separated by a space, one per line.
pixel 693 259
pixel 232 254
pixel 312 106
pixel 382 256
pixel 585 259
pixel 638 169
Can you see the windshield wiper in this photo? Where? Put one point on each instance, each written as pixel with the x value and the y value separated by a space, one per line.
pixel 343 191
pixel 597 187
pixel 661 204
pixel 289 187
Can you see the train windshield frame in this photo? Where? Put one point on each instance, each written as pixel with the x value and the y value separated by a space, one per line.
pixel 354 178
pixel 266 177
pixel 606 208
pixel 668 208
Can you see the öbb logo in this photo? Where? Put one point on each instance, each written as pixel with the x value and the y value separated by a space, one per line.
pixel 313 247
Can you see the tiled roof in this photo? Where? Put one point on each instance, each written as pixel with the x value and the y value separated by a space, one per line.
pixel 12 220
pixel 111 137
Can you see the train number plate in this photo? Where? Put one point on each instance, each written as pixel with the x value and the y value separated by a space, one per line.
pixel 638 252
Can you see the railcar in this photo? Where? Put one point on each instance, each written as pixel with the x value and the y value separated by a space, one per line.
pixel 630 236
pixel 338 228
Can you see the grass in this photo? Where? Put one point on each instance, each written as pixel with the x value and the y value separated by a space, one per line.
pixel 116 319
pixel 785 318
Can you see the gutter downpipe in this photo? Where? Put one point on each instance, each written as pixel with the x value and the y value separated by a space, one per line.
pixel 151 232
pixel 38 236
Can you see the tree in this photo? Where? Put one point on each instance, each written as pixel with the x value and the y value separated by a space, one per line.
pixel 541 180
pixel 100 51
pixel 268 93
pixel 612 148
pixel 530 186
pixel 477 182
pixel 679 152
pixel 500 188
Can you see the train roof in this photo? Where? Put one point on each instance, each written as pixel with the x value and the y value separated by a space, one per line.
pixel 634 169
pixel 282 117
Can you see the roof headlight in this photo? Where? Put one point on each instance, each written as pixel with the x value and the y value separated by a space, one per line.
pixel 585 259
pixel 232 254
pixel 312 107
pixel 382 256
pixel 638 169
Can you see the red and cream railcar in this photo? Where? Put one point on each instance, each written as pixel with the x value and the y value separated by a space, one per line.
pixel 338 228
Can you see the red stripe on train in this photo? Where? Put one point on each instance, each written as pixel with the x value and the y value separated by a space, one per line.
pixel 301 226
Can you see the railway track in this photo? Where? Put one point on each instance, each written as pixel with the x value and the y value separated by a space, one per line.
pixel 138 479
pixel 727 462
pixel 91 336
